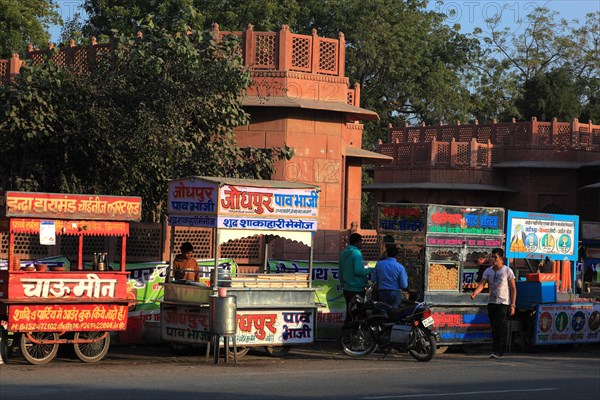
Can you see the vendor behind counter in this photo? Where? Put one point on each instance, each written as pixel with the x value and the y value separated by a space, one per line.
pixel 185 265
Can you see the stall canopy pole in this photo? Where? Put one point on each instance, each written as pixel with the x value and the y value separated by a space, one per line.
pixel 171 257
pixel 123 252
pixel 80 254
pixel 11 251
pixel 266 253
pixel 216 267
pixel 310 258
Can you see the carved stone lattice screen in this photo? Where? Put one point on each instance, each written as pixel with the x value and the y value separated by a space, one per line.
pixel 26 246
pixel 462 154
pixel 265 55
pixel 144 242
pixel 301 47
pixel 245 250
pixel 484 133
pixel 543 134
pixel 443 153
pixel 200 238
pixel 328 60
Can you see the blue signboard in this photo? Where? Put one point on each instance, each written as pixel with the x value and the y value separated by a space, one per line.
pixel 537 235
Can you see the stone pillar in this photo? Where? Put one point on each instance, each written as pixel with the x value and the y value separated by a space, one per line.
pixel 249 46
pixel 342 56
pixel 314 63
pixel 285 48
pixel 14 65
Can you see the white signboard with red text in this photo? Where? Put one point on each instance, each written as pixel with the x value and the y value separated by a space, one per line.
pixel 199 202
pixel 254 327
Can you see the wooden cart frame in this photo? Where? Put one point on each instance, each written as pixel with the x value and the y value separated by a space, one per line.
pixel 80 306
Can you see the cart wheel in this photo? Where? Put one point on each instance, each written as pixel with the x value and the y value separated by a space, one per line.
pixel 39 353
pixel 93 351
pixel 241 352
pixel 278 351
pixel 3 346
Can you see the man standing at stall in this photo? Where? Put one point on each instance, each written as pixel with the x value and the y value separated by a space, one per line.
pixel 502 300
pixel 391 278
pixel 352 271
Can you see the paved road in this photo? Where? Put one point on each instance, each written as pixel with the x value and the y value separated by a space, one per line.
pixel 319 371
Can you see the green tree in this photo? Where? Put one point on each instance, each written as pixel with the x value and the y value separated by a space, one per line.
pixel 165 106
pixel 409 64
pixel 519 67
pixel 72 29
pixel 24 22
pixel 549 95
pixel 126 16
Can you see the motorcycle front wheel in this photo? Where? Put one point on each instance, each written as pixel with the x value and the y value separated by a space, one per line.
pixel 421 345
pixel 357 340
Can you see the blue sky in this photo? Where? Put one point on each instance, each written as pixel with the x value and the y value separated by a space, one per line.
pixel 468 13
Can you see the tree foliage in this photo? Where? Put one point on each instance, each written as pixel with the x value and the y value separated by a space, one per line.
pixel 164 107
pixel 527 71
pixel 408 63
pixel 24 22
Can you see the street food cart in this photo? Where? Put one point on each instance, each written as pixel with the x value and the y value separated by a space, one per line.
pixel 275 311
pixel 445 241
pixel 549 311
pixel 589 255
pixel 48 306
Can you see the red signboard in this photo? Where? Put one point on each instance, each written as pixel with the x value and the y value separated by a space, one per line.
pixel 72 206
pixel 66 286
pixel 67 317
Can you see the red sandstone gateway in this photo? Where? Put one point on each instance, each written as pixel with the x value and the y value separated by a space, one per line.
pixel 45 308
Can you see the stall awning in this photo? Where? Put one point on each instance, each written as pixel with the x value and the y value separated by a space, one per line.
pixel 438 186
pixel 226 235
pixel 367 155
pixel 354 113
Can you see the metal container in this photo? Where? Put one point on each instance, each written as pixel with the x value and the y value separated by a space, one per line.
pixel 222 315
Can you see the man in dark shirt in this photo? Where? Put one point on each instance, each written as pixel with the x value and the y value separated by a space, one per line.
pixel 482 264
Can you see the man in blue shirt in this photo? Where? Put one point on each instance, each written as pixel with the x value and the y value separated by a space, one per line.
pixel 391 277
pixel 352 271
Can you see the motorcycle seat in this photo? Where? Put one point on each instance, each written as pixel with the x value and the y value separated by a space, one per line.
pixel 404 311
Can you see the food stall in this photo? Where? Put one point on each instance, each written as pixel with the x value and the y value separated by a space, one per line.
pixel 45 306
pixel 589 254
pixel 445 241
pixel 274 311
pixel 549 311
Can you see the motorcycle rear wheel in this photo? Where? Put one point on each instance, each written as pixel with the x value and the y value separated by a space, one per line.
pixel 422 346
pixel 357 340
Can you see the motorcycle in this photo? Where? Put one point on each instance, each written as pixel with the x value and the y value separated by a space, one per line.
pixel 376 324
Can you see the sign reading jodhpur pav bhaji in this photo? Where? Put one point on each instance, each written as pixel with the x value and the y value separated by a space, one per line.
pixel 193 202
pixel 537 235
pixel 71 206
pixel 236 204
